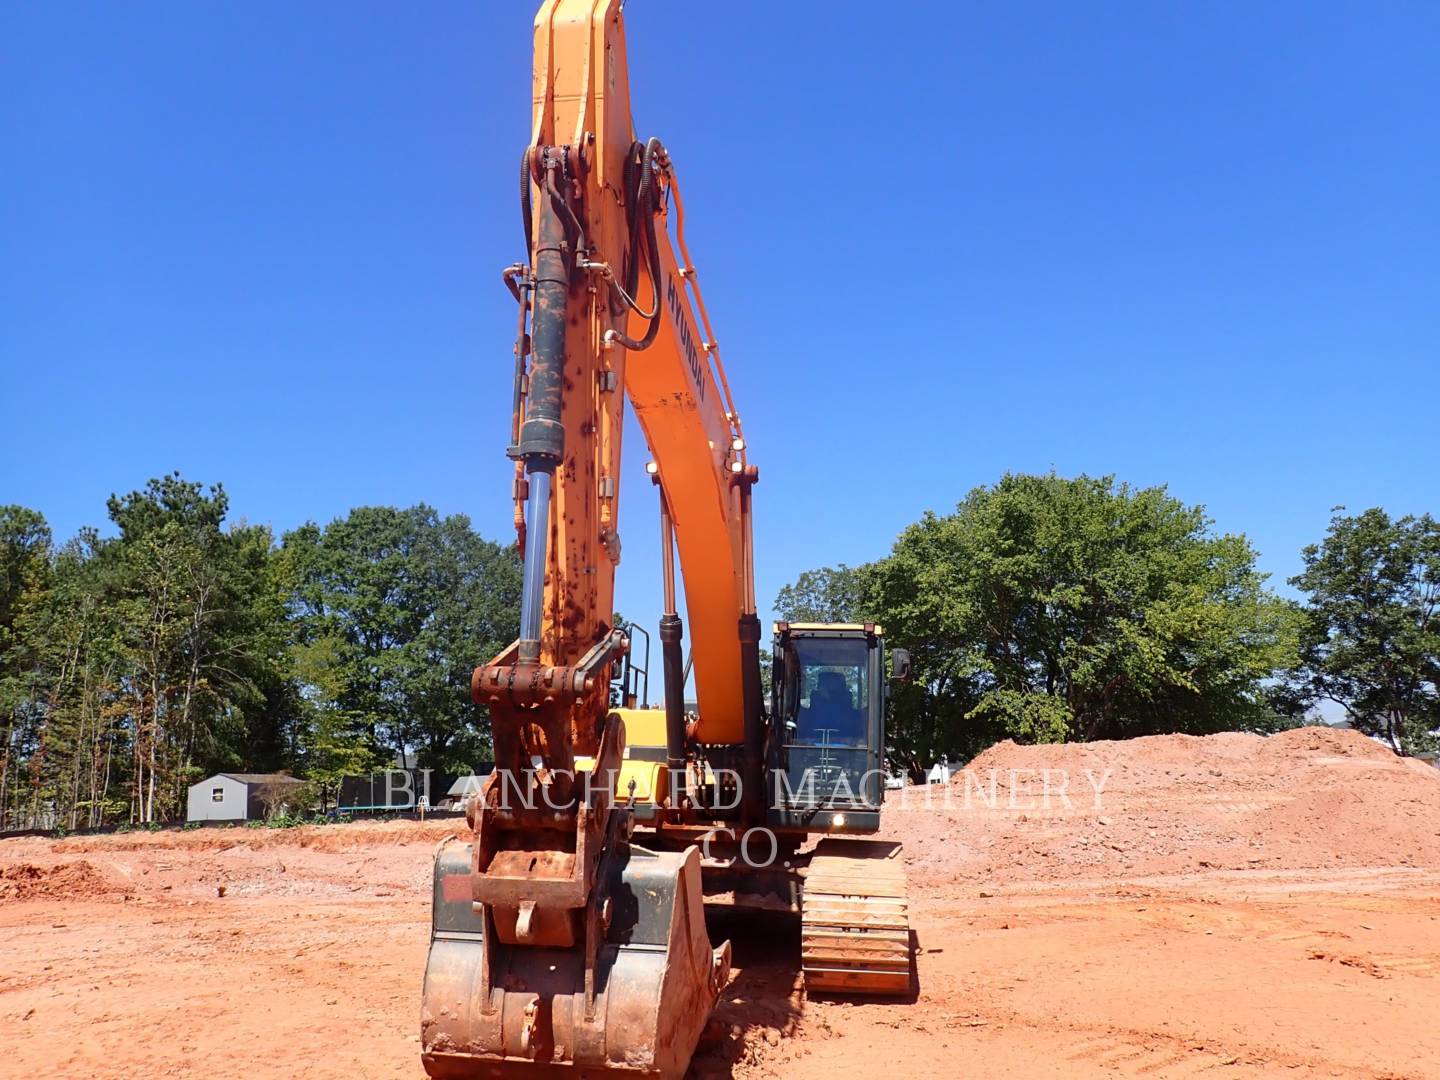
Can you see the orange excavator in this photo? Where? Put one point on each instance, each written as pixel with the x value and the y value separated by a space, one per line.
pixel 568 931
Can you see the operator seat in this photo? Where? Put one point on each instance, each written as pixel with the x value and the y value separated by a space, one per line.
pixel 832 708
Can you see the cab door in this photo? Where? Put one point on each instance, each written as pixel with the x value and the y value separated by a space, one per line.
pixel 827 697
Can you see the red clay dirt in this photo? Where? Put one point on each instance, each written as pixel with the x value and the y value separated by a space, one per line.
pixel 1228 906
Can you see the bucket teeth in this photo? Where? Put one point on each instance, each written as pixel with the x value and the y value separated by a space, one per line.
pixel 855 920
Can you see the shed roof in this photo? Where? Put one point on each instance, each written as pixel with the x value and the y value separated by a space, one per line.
pixel 468 785
pixel 261 778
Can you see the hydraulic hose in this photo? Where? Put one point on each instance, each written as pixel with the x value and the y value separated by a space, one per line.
pixel 645 211
pixel 525 199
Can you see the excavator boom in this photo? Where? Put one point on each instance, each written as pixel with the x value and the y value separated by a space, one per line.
pixel 556 942
pixel 561 939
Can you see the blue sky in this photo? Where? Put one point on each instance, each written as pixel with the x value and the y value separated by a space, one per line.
pixel 1190 244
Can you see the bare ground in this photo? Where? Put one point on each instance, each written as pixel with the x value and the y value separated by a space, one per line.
pixel 1232 907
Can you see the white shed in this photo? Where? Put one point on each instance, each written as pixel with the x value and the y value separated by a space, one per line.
pixel 237 796
pixel 939 773
pixel 465 786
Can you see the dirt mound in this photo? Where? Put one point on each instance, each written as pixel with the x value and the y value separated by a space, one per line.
pixel 1322 740
pixel 78 880
pixel 354 836
pixel 1153 750
pixel 1313 797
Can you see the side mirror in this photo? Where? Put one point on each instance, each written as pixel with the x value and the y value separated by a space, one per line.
pixel 900 665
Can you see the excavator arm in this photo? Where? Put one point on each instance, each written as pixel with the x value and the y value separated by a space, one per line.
pixel 556 941
pixel 560 940
pixel 616 305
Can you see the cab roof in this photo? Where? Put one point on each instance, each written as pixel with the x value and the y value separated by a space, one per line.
pixel 865 628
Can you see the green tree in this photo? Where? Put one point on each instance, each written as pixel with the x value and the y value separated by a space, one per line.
pixel 1047 609
pixel 1371 638
pixel 68 636
pixel 831 594
pixel 132 665
pixel 25 549
pixel 331 745
pixel 198 642
pixel 142 661
pixel 25 543
pixel 397 607
pixel 200 616
pixel 255 634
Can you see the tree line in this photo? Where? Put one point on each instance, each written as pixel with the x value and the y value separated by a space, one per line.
pixel 1041 609
pixel 1047 609
pixel 134 664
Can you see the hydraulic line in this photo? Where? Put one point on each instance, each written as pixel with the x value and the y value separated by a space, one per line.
pixel 525 197
pixel 646 212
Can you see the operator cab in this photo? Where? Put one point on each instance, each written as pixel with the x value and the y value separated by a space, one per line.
pixel 826 771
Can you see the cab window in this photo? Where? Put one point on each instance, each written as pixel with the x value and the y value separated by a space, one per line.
pixel 828 692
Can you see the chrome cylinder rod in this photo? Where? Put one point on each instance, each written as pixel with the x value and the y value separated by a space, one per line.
pixel 537 535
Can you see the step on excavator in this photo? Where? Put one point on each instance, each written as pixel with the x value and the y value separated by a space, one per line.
pixel 568 930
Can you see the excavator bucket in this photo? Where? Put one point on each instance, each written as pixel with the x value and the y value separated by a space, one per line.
pixel 493 1009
